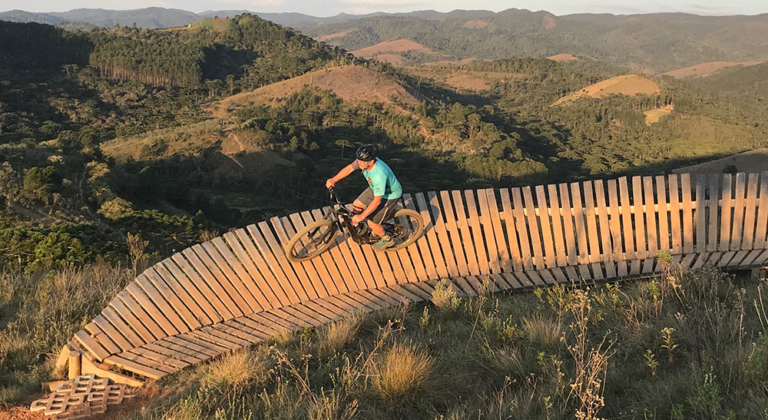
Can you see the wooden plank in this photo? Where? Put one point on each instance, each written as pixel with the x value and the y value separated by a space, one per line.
pixel 170 297
pixel 521 225
pixel 199 274
pixel 241 334
pixel 560 276
pixel 501 282
pixel 701 260
pixel 579 224
pixel 198 345
pixel 635 267
pixel 533 228
pixel 452 256
pixel 159 358
pixel 240 272
pixel 760 233
pixel 477 233
pixel 334 314
pixel 348 270
pixel 674 215
pixel 174 354
pixel 665 239
pixel 211 335
pixel 535 278
pixel 198 290
pixel 560 253
pixel 293 288
pixel 726 258
pixel 714 206
pixel 547 276
pixel 122 327
pixel 738 258
pixel 268 264
pixel 413 288
pixel 88 343
pixel 603 221
pixel 147 362
pixel 523 280
pixel 273 286
pixel 511 280
pixel 149 372
pixel 477 286
pixel 136 309
pixel 494 256
pixel 318 262
pixel 234 271
pixel 750 212
pixel 749 259
pixel 252 277
pixel 466 235
pixel 738 212
pixel 285 231
pixel 762 260
pixel 142 299
pixel 328 259
pixel 584 273
pixel 641 235
pixel 130 318
pixel 453 232
pixel 305 278
pixel 110 339
pixel 516 262
pixel 186 348
pixel 650 218
pixel 725 214
pixel 648 265
pixel 384 296
pixel 157 298
pixel 184 294
pixel 595 254
pixel 550 260
pixel 221 279
pixel 402 294
pixel 357 281
pixel 610 270
pixel 568 224
pixel 617 237
pixel 701 213
pixel 430 231
pixel 498 229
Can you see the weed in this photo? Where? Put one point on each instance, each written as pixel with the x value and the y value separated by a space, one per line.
pixel 445 298
pixel 403 372
pixel 336 335
pixel 424 320
pixel 651 362
pixel 668 343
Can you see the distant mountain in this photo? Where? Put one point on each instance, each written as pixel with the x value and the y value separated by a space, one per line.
pixel 25 17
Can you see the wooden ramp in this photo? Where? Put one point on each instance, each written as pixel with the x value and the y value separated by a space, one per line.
pixel 239 289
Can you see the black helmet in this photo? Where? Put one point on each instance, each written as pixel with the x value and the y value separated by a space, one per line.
pixel 366 153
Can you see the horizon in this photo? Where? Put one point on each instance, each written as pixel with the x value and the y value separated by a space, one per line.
pixel 364 7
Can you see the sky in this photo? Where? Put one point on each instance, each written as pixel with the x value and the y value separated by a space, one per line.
pixel 333 7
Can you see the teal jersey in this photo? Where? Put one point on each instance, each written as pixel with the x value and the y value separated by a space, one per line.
pixel 382 180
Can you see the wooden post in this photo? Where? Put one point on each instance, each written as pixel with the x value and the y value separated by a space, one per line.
pixel 75 364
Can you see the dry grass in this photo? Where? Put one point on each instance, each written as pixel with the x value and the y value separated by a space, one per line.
pixel 623 85
pixel 326 38
pixel 543 331
pixel 238 370
pixel 353 84
pixel 400 45
pixel 653 116
pixel 402 372
pixel 754 161
pixel 335 336
pixel 475 24
pixel 710 68
pixel 563 57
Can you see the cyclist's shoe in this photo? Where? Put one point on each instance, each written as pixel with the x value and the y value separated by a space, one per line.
pixel 385 242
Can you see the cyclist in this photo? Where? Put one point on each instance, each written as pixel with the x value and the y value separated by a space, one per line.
pixel 377 203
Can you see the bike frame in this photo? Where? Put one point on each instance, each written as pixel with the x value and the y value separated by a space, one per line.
pixel 342 221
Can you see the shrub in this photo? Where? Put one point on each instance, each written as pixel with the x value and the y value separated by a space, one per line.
pixel 402 372
pixel 444 297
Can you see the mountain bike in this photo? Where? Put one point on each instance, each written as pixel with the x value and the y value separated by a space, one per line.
pixel 404 227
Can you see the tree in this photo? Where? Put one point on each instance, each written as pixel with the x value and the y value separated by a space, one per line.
pixel 343 143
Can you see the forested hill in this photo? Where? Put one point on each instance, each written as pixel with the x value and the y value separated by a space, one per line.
pixel 656 42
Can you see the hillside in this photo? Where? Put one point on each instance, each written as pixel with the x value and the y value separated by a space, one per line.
pixel 629 85
pixel 353 84
pixel 639 41
pixel 708 69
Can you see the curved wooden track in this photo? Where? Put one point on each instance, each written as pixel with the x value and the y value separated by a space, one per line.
pixel 239 289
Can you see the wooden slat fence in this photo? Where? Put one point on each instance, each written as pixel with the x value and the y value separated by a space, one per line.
pixel 240 288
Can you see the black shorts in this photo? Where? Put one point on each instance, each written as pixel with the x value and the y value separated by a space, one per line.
pixel 386 208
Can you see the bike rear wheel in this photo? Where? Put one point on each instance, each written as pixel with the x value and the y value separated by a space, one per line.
pixel 406 227
pixel 311 241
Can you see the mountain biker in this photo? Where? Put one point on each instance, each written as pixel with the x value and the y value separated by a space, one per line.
pixel 377 203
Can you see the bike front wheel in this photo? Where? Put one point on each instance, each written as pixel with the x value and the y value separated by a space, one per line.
pixel 311 241
pixel 405 228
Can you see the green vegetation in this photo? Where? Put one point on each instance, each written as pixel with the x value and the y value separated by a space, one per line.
pixel 640 41
pixel 687 345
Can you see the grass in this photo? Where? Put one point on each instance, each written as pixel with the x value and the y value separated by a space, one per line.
pixel 557 354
